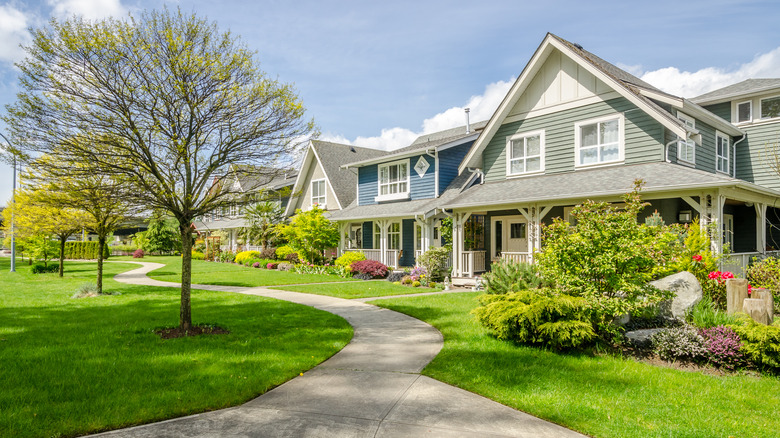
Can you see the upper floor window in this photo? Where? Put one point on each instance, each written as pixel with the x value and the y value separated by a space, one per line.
pixel 744 111
pixel 599 141
pixel 721 152
pixel 525 153
pixel 318 196
pixel 393 181
pixel 686 148
pixel 233 210
pixel 770 107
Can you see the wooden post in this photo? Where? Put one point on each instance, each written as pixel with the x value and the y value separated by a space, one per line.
pixel 769 302
pixel 736 292
pixel 756 308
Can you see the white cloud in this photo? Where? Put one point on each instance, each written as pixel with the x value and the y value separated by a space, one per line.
pixel 13 32
pixel 89 9
pixel 481 106
pixel 692 84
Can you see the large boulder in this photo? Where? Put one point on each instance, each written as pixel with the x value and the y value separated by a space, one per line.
pixel 687 292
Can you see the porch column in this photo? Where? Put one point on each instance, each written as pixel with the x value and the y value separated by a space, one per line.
pixel 233 242
pixel 343 226
pixel 760 228
pixel 455 246
pixel 383 241
pixel 717 241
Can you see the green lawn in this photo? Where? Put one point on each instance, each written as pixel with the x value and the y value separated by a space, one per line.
pixel 358 289
pixel 600 396
pixel 76 366
pixel 228 274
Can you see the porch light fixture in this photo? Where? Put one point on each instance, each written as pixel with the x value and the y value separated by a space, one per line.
pixel 685 217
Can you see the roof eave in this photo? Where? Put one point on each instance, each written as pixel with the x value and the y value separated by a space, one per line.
pixel 392 156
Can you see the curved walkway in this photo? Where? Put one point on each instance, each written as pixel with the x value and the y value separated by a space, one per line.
pixel 371 388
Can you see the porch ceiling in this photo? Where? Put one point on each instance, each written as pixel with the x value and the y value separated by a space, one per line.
pixel 223 224
pixel 595 183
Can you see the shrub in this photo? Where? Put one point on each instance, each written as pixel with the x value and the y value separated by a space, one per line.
pixel 84 250
pixel 251 261
pixel 243 256
pixel 268 253
pixel 766 274
pixel 363 276
pixel 406 279
pixel 370 267
pixel 537 317
pixel 435 261
pixel 416 284
pixel 760 343
pixel 256 265
pixel 283 251
pixel 349 257
pixel 509 276
pixel 284 266
pixel 395 276
pixel 705 314
pixel 271 265
pixel 40 268
pixel 683 343
pixel 197 255
pixel 138 254
pixel 292 258
pixel 723 347
pixel 714 287
pixel 308 268
pixel 419 273
pixel 432 284
pixel 310 233
pixel 86 290
pixel 227 257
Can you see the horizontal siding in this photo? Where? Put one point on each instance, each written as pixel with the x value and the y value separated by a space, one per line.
pixel 449 160
pixel 420 187
pixel 368 184
pixel 722 110
pixel 705 152
pixel 643 137
pixel 751 155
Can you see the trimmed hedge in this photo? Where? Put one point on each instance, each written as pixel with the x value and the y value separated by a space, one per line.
pixel 84 251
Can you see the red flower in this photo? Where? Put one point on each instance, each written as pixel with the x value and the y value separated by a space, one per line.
pixel 726 275
pixel 713 275
pixel 697 258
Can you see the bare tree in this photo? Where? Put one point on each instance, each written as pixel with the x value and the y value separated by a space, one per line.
pixel 163 103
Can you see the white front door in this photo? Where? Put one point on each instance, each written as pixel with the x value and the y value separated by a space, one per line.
pixel 509 234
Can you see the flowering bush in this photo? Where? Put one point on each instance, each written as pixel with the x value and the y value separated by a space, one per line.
pixel 715 287
pixel 766 274
pixel 420 274
pixel 349 257
pixel 271 265
pixel 138 254
pixel 256 265
pixel 679 343
pixel 370 267
pixel 723 347
pixel 435 261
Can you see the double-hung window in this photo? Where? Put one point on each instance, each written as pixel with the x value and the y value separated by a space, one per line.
pixel 393 181
pixel 686 148
pixel 318 193
pixel 599 141
pixel 525 153
pixel 394 236
pixel 770 107
pixel 722 152
pixel 745 111
pixel 377 236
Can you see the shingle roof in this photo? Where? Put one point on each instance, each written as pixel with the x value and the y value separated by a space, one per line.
pixel 254 178
pixel 748 86
pixel 584 184
pixel 332 156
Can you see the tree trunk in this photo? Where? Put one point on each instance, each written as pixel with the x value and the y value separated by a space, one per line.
pixel 101 244
pixel 62 254
pixel 185 312
pixel 736 292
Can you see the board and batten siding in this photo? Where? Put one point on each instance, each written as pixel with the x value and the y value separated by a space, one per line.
pixel 420 187
pixel 643 137
pixel 751 163
pixel 449 160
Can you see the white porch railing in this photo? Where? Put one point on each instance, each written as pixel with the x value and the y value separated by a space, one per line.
pixel 391 255
pixel 523 257
pixel 738 262
pixel 472 262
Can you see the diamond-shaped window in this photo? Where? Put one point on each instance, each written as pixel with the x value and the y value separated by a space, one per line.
pixel 422 166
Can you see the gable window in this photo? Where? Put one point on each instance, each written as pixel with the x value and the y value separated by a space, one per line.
pixel 599 141
pixel 686 148
pixel 770 108
pixel 721 152
pixel 393 181
pixel 318 193
pixel 745 112
pixel 525 153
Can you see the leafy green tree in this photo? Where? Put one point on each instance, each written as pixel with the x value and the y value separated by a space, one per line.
pixel 262 219
pixel 161 236
pixel 310 233
pixel 166 103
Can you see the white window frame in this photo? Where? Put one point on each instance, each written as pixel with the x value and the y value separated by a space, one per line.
pixel 400 234
pixel 393 196
pixel 688 143
pixel 621 140
pixel 524 136
pixel 377 236
pixel 720 158
pixel 323 196
pixel 736 112
pixel 760 108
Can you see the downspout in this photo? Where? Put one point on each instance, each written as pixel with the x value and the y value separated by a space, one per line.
pixel 435 156
pixel 479 172
pixel 734 146
pixel 666 150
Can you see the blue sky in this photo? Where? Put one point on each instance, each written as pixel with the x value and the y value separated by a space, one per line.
pixel 379 73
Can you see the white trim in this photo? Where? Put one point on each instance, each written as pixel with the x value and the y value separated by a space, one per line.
pixel 688 142
pixel 295 200
pixel 400 235
pixel 662 97
pixel 393 196
pixel 736 111
pixel 761 110
pixel 621 140
pixel 524 136
pixel 321 205
pixel 727 157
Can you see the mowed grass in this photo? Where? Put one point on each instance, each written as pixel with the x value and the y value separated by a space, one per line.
pixel 358 289
pixel 601 396
pixel 76 366
pixel 228 274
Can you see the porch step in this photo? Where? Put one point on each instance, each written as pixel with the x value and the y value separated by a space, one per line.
pixel 464 281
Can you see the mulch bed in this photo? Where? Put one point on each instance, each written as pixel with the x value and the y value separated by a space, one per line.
pixel 196 330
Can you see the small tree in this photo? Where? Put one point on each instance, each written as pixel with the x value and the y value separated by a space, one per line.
pixel 161 236
pixel 310 233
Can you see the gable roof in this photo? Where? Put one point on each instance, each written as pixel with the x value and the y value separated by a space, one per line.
pixel 629 86
pixel 749 86
pixel 251 178
pixel 330 156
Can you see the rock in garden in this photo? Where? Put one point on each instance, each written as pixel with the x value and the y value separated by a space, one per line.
pixel 642 338
pixel 687 292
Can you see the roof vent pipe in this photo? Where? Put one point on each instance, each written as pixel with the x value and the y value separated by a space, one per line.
pixel 468 125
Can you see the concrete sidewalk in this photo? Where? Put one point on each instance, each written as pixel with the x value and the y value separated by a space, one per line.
pixel 371 388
